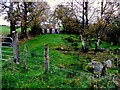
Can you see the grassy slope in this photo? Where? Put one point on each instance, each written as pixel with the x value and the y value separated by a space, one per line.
pixel 34 77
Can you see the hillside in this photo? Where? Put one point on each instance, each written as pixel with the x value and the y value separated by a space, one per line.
pixel 67 67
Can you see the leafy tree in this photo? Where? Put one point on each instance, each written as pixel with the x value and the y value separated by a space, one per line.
pixel 100 29
pixel 30 15
pixel 38 13
pixel 82 11
pixel 69 21
pixel 113 34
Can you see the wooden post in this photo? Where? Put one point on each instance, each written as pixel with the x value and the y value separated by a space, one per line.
pixel 117 64
pixel 25 57
pixel 46 58
pixel 16 47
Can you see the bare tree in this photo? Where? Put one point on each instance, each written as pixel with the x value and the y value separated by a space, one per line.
pixel 107 14
pixel 24 9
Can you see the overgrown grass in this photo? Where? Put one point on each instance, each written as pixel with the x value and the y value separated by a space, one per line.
pixel 67 67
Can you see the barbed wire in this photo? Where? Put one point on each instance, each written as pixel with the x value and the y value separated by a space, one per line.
pixel 63 53
pixel 40 62
pixel 34 53
pixel 67 52
pixel 28 45
pixel 73 71
pixel 83 73
pixel 66 59
pixel 67 70
pixel 89 54
pixel 29 52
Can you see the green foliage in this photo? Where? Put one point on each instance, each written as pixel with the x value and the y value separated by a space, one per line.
pixel 38 13
pixel 114 31
pixel 70 23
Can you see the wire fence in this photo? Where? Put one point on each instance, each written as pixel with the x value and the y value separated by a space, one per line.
pixel 72 61
pixel 42 59
pixel 66 60
pixel 73 71
pixel 37 63
pixel 35 53
pixel 39 59
pixel 88 75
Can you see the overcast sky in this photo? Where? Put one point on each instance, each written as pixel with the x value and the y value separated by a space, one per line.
pixel 52 4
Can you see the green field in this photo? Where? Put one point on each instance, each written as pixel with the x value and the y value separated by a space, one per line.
pixel 5 30
pixel 67 68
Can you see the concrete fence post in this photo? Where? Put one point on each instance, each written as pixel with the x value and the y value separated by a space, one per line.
pixel 16 47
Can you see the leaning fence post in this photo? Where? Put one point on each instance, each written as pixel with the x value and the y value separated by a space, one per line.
pixel 16 47
pixel 25 57
pixel 46 58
